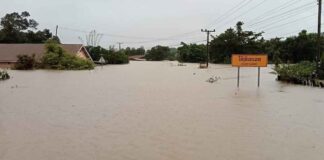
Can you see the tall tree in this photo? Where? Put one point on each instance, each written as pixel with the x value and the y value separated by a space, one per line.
pixel 192 53
pixel 19 28
pixel 235 41
pixel 158 53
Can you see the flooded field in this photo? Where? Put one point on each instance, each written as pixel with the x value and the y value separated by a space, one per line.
pixel 158 111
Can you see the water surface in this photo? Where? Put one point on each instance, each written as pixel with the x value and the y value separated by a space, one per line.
pixel 158 111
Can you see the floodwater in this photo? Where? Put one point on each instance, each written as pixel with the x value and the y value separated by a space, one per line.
pixel 158 111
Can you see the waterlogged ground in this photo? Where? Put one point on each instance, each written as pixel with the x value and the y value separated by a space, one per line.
pixel 158 111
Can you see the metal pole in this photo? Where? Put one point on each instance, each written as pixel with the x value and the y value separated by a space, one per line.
pixel 208 34
pixel 238 77
pixel 56 30
pixel 319 34
pixel 208 49
pixel 258 76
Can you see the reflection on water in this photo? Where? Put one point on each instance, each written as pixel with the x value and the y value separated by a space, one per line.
pixel 158 111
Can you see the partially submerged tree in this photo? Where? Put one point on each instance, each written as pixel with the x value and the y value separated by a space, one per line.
pixel 158 53
pixel 192 53
pixel 57 58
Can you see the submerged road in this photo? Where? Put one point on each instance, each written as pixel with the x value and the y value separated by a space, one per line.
pixel 163 112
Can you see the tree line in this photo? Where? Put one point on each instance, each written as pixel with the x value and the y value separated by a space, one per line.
pixel 302 47
pixel 20 28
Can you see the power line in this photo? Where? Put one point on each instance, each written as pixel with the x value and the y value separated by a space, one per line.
pixel 290 22
pixel 239 6
pixel 281 14
pixel 277 9
pixel 233 10
pixel 288 33
pixel 179 44
pixel 106 34
pixel 248 11
pixel 280 20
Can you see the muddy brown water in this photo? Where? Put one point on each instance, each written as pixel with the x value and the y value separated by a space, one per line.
pixel 158 111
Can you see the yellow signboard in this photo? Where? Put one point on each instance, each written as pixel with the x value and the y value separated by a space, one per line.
pixel 249 60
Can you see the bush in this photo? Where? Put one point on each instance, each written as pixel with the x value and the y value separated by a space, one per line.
pixel 300 71
pixel 56 58
pixel 116 58
pixel 158 53
pixel 25 62
pixel 192 53
pixel 4 75
pixel 111 56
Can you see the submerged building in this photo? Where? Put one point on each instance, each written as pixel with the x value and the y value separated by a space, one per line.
pixel 9 52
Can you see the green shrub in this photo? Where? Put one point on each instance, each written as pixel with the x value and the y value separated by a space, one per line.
pixel 4 75
pixel 302 70
pixel 110 55
pixel 158 53
pixel 25 62
pixel 56 58
pixel 116 58
pixel 192 53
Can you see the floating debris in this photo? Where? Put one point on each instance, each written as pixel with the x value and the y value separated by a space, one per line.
pixel 214 79
pixel 181 64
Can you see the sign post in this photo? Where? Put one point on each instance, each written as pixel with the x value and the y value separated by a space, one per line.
pixel 249 60
pixel 258 76
pixel 238 77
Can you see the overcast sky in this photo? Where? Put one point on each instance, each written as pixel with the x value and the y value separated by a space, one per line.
pixel 166 22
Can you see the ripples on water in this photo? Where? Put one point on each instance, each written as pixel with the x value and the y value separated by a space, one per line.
pixel 158 110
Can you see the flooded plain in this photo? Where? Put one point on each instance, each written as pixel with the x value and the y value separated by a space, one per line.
pixel 158 111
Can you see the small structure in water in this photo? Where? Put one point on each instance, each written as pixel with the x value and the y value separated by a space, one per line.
pixel 203 66
pixel 102 61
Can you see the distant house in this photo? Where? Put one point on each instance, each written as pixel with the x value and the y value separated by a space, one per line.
pixel 9 52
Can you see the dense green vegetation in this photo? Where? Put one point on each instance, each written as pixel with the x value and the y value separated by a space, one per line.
pixel 300 71
pixel 292 50
pixel 192 53
pixel 57 58
pixel 25 62
pixel 4 75
pixel 134 51
pixel 18 28
pixel 110 55
pixel 235 41
pixel 158 53
pixel 116 58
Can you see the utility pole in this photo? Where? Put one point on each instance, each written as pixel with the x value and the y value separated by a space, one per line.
pixel 56 30
pixel 208 34
pixel 119 44
pixel 319 35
